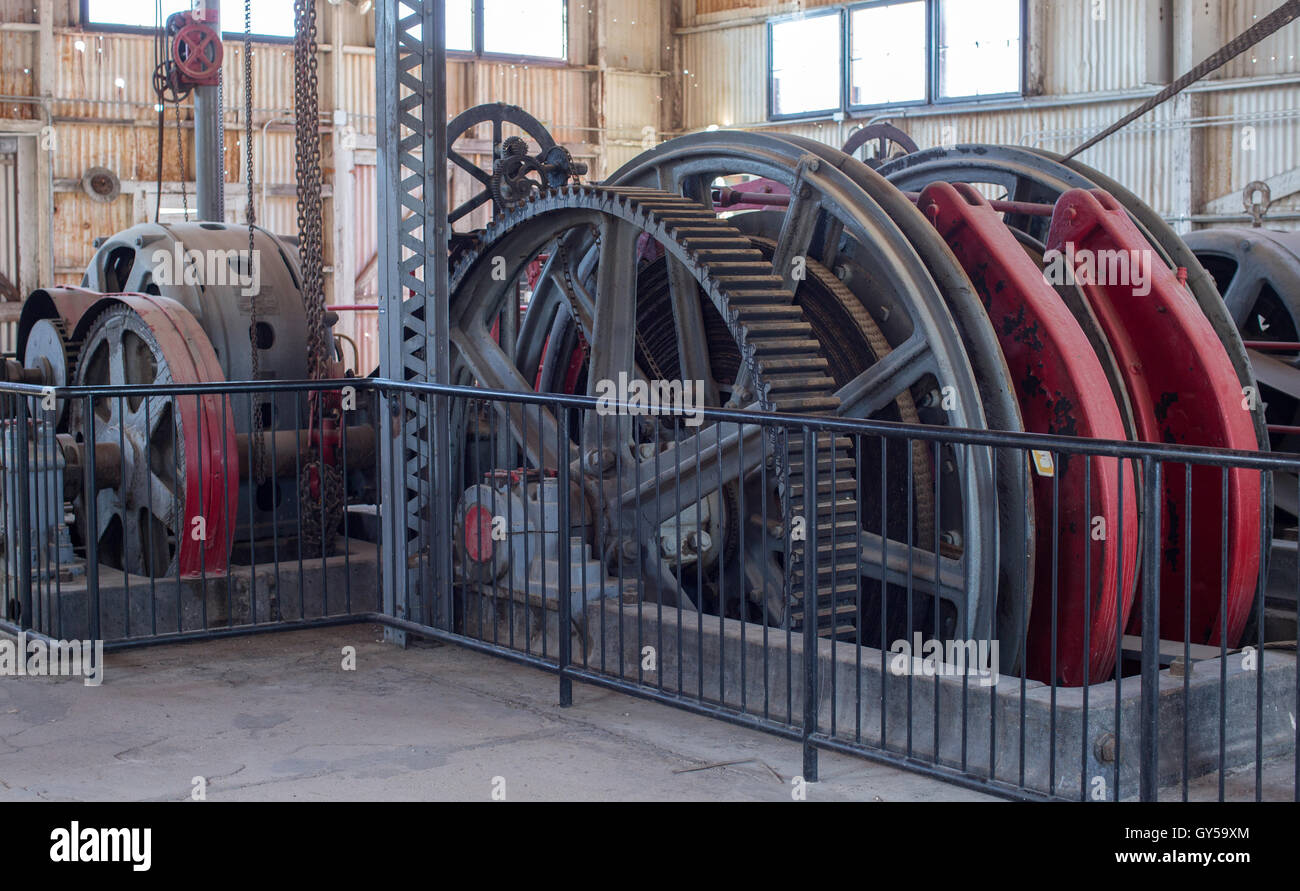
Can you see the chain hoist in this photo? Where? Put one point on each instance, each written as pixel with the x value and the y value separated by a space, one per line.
pixel 308 157
pixel 321 483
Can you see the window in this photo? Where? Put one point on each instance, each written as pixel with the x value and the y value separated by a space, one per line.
pixel 805 64
pixel 979 48
pixel 460 26
pixel 894 52
pixel 270 19
pixel 527 29
pixel 887 53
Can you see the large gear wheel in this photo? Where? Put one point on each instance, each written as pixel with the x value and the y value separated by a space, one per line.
pixel 715 270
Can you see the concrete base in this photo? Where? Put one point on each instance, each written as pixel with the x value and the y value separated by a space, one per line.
pixel 952 714
pixel 274 717
pixel 135 607
pixel 971 723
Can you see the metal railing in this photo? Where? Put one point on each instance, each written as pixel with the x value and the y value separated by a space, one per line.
pixel 687 557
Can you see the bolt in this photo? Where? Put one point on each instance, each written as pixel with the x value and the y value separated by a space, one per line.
pixel 598 459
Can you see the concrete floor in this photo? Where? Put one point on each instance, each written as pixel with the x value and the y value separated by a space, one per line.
pixel 274 717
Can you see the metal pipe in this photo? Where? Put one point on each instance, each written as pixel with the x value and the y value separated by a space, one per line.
pixel 286 445
pixel 728 197
pixel 209 156
pixel 209 140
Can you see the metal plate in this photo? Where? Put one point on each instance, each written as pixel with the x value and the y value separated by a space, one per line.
pixel 1062 389
pixel 1185 390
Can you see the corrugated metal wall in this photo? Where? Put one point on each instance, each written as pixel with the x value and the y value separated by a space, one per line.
pixel 104 114
pixel 1085 59
pixel 9 216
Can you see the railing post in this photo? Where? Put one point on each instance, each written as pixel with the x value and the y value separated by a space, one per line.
pixel 1149 752
pixel 566 552
pixel 92 524
pixel 23 504
pixel 809 603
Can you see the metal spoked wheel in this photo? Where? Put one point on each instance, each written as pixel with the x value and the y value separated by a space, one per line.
pixel 175 460
pixel 645 473
pixel 881 143
pixel 939 341
pixel 511 128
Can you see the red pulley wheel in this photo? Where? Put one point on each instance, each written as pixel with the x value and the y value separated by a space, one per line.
pixel 1061 389
pixel 174 508
pixel 1184 390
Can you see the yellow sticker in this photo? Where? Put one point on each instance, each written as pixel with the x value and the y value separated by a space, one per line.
pixel 1043 463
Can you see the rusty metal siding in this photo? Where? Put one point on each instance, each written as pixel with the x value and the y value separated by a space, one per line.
pixel 558 97
pixel 1279 54
pixel 1271 145
pixel 724 77
pixel 78 221
pixel 17 72
pixel 9 216
pixel 704 12
pixel 1094 48
pixel 632 34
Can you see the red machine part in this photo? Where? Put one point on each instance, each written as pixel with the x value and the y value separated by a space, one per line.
pixel 1061 389
pixel 755 194
pixel 1184 390
pixel 211 469
pixel 197 53
pixel 478 533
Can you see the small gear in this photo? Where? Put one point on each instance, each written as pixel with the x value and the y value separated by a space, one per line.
pixel 513 147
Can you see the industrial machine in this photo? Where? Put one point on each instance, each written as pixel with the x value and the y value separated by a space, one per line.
pixel 938 286
pixel 917 299
pixel 190 303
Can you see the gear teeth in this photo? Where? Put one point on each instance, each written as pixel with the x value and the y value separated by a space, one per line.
pixel 785 359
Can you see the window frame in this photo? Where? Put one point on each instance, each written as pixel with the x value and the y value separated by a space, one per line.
pixel 109 28
pixel 478 52
pixel 936 29
pixel 933 29
pixel 771 74
pixel 931 54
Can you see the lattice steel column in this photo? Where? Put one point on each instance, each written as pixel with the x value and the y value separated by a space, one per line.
pixel 410 58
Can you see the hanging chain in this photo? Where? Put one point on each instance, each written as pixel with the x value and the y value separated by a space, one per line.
pixel 308 157
pixel 320 483
pixel 258 455
pixel 180 155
